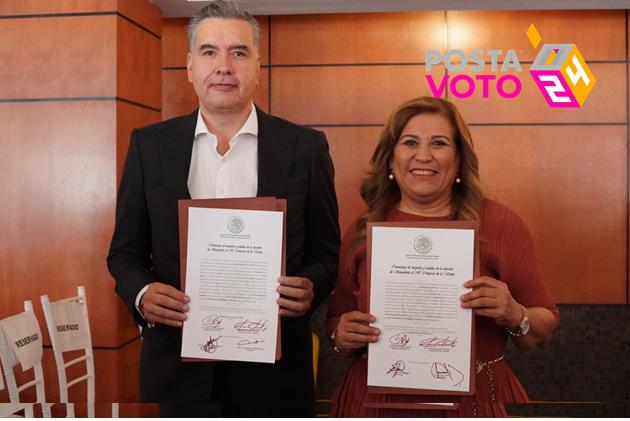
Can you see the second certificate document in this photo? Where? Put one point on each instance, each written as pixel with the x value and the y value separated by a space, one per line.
pixel 416 278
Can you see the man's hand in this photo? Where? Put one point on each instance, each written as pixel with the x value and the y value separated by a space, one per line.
pixel 296 295
pixel 164 304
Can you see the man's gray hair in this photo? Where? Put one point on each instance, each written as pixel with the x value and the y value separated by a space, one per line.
pixel 223 9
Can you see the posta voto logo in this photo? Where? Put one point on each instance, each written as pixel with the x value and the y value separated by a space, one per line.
pixel 559 70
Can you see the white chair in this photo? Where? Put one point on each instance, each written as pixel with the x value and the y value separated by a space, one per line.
pixel 69 329
pixel 9 360
pixel 12 410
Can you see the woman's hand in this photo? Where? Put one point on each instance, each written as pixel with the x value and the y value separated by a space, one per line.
pixel 354 332
pixel 491 298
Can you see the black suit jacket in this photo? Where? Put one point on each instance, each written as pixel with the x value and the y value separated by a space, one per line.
pixel 293 163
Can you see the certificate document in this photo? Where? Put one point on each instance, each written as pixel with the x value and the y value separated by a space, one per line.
pixel 416 273
pixel 233 261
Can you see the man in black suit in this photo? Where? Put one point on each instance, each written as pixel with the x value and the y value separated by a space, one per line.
pixel 226 148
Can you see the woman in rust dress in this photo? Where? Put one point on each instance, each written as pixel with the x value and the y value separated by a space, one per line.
pixel 424 168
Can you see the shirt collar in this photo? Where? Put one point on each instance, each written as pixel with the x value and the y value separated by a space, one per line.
pixel 249 127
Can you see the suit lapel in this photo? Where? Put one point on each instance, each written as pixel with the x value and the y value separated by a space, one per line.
pixel 275 155
pixel 176 152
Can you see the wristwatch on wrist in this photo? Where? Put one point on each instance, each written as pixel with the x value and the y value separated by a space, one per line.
pixel 523 326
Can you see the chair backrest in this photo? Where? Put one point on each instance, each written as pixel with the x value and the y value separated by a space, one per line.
pixel 12 410
pixel 21 343
pixel 69 329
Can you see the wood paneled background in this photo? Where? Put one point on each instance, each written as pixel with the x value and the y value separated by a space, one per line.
pixel 565 171
pixel 78 76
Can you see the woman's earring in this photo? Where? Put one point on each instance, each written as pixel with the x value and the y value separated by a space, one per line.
pixel 390 176
pixel 458 180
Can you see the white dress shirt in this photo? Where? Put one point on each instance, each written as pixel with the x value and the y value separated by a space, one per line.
pixel 212 175
pixel 234 174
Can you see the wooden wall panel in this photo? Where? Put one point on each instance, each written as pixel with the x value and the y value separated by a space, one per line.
pixel 264 39
pixel 351 149
pixel 121 385
pixel 129 373
pixel 139 73
pixel 605 104
pixel 590 30
pixel 147 15
pixel 58 208
pixel 175 41
pixel 569 185
pixel 143 13
pixel 36 7
pixel 179 96
pixel 37 67
pixel 356 38
pixel 345 95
